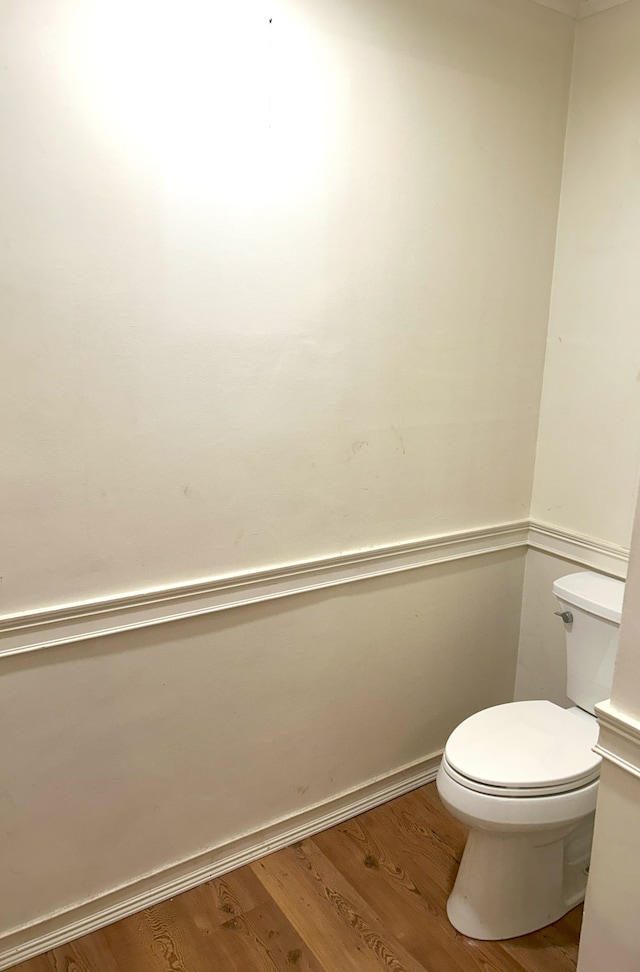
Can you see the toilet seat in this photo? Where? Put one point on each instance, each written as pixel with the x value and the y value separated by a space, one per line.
pixel 524 749
pixel 520 791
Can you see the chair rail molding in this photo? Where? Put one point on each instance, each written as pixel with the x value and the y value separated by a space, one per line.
pixel 34 630
pixel 77 622
pixel 584 550
pixel 619 739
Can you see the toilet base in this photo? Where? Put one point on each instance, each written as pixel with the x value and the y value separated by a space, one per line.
pixel 514 883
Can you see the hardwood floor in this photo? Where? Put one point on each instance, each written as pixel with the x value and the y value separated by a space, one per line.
pixel 365 896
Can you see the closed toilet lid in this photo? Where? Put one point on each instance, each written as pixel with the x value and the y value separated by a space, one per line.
pixel 526 745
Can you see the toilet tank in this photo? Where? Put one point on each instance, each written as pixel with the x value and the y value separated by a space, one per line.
pixel 595 602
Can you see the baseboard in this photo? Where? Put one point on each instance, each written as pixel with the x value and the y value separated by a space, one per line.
pixel 34 939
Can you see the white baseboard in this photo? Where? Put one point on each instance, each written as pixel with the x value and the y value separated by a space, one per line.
pixel 34 939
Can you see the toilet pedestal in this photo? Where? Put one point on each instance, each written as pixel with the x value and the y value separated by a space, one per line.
pixel 512 884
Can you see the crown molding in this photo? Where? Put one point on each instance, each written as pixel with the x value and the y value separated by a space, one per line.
pixel 589 7
pixel 579 9
pixel 568 7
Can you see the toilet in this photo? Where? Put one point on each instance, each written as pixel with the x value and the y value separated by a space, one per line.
pixel 524 778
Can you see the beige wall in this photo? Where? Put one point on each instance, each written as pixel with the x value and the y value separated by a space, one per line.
pixel 610 925
pixel 542 668
pixel 133 753
pixel 610 929
pixel 588 457
pixel 234 345
pixel 260 310
pixel 587 466
pixel 588 454
pixel 625 691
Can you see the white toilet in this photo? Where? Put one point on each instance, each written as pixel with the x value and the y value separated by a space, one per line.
pixel 524 778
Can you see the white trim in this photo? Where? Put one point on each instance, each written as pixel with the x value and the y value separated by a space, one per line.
pixel 31 940
pixel 580 548
pixel 589 7
pixel 619 739
pixel 74 623
pixel 619 736
pixel 31 631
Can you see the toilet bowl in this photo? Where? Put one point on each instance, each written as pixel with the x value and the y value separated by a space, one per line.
pixel 530 812
pixel 523 777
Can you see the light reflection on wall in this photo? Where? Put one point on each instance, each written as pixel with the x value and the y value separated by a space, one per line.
pixel 220 100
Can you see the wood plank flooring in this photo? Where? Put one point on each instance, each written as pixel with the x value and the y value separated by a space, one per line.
pixel 365 896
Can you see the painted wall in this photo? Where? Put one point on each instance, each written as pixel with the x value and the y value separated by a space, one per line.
pixel 610 927
pixel 131 754
pixel 609 936
pixel 588 456
pixel 260 309
pixel 587 465
pixel 625 692
pixel 542 664
pixel 252 320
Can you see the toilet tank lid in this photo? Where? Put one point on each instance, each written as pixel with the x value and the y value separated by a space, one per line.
pixel 595 593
